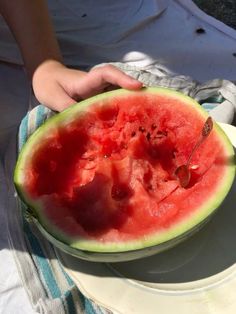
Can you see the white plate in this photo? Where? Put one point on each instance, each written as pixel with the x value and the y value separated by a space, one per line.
pixel 230 130
pixel 197 276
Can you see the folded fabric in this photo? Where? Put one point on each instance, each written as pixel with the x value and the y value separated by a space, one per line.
pixel 217 96
pixel 49 288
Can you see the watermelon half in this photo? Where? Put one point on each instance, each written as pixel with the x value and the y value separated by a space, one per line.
pixel 100 179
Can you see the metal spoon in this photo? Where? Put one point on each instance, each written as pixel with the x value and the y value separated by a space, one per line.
pixel 182 172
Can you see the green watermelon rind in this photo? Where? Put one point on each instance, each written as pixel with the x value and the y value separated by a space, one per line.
pixel 166 236
pixel 118 256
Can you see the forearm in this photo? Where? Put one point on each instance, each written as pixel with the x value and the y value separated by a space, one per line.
pixel 32 28
pixel 54 84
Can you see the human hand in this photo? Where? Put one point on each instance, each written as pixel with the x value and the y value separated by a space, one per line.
pixel 58 87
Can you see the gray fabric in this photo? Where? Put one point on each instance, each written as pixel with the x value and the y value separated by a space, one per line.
pixel 217 88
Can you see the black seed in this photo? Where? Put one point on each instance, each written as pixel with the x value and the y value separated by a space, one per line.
pixel 148 136
pixel 141 129
pixel 200 31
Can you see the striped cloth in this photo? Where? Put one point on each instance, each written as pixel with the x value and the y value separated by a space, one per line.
pixel 50 289
pixel 48 286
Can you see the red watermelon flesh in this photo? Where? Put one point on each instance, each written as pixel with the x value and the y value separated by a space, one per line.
pixel 108 174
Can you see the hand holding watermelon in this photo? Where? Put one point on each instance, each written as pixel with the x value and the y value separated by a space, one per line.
pixel 58 87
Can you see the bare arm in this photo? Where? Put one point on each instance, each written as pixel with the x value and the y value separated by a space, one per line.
pixel 31 26
pixel 54 85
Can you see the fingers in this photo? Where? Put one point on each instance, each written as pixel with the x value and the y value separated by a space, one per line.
pixel 111 74
pixel 59 87
pixel 102 79
pixel 98 80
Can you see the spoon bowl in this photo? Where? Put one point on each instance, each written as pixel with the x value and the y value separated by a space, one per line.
pixel 182 172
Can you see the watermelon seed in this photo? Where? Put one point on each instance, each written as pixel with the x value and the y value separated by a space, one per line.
pixel 153 126
pixel 148 136
pixel 133 134
pixel 142 129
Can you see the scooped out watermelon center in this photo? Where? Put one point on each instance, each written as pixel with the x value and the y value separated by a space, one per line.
pixel 111 169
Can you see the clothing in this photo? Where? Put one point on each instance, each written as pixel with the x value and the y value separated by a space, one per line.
pixel 94 31
pixel 143 33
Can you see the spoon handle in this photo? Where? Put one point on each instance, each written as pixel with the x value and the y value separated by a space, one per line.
pixel 208 125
